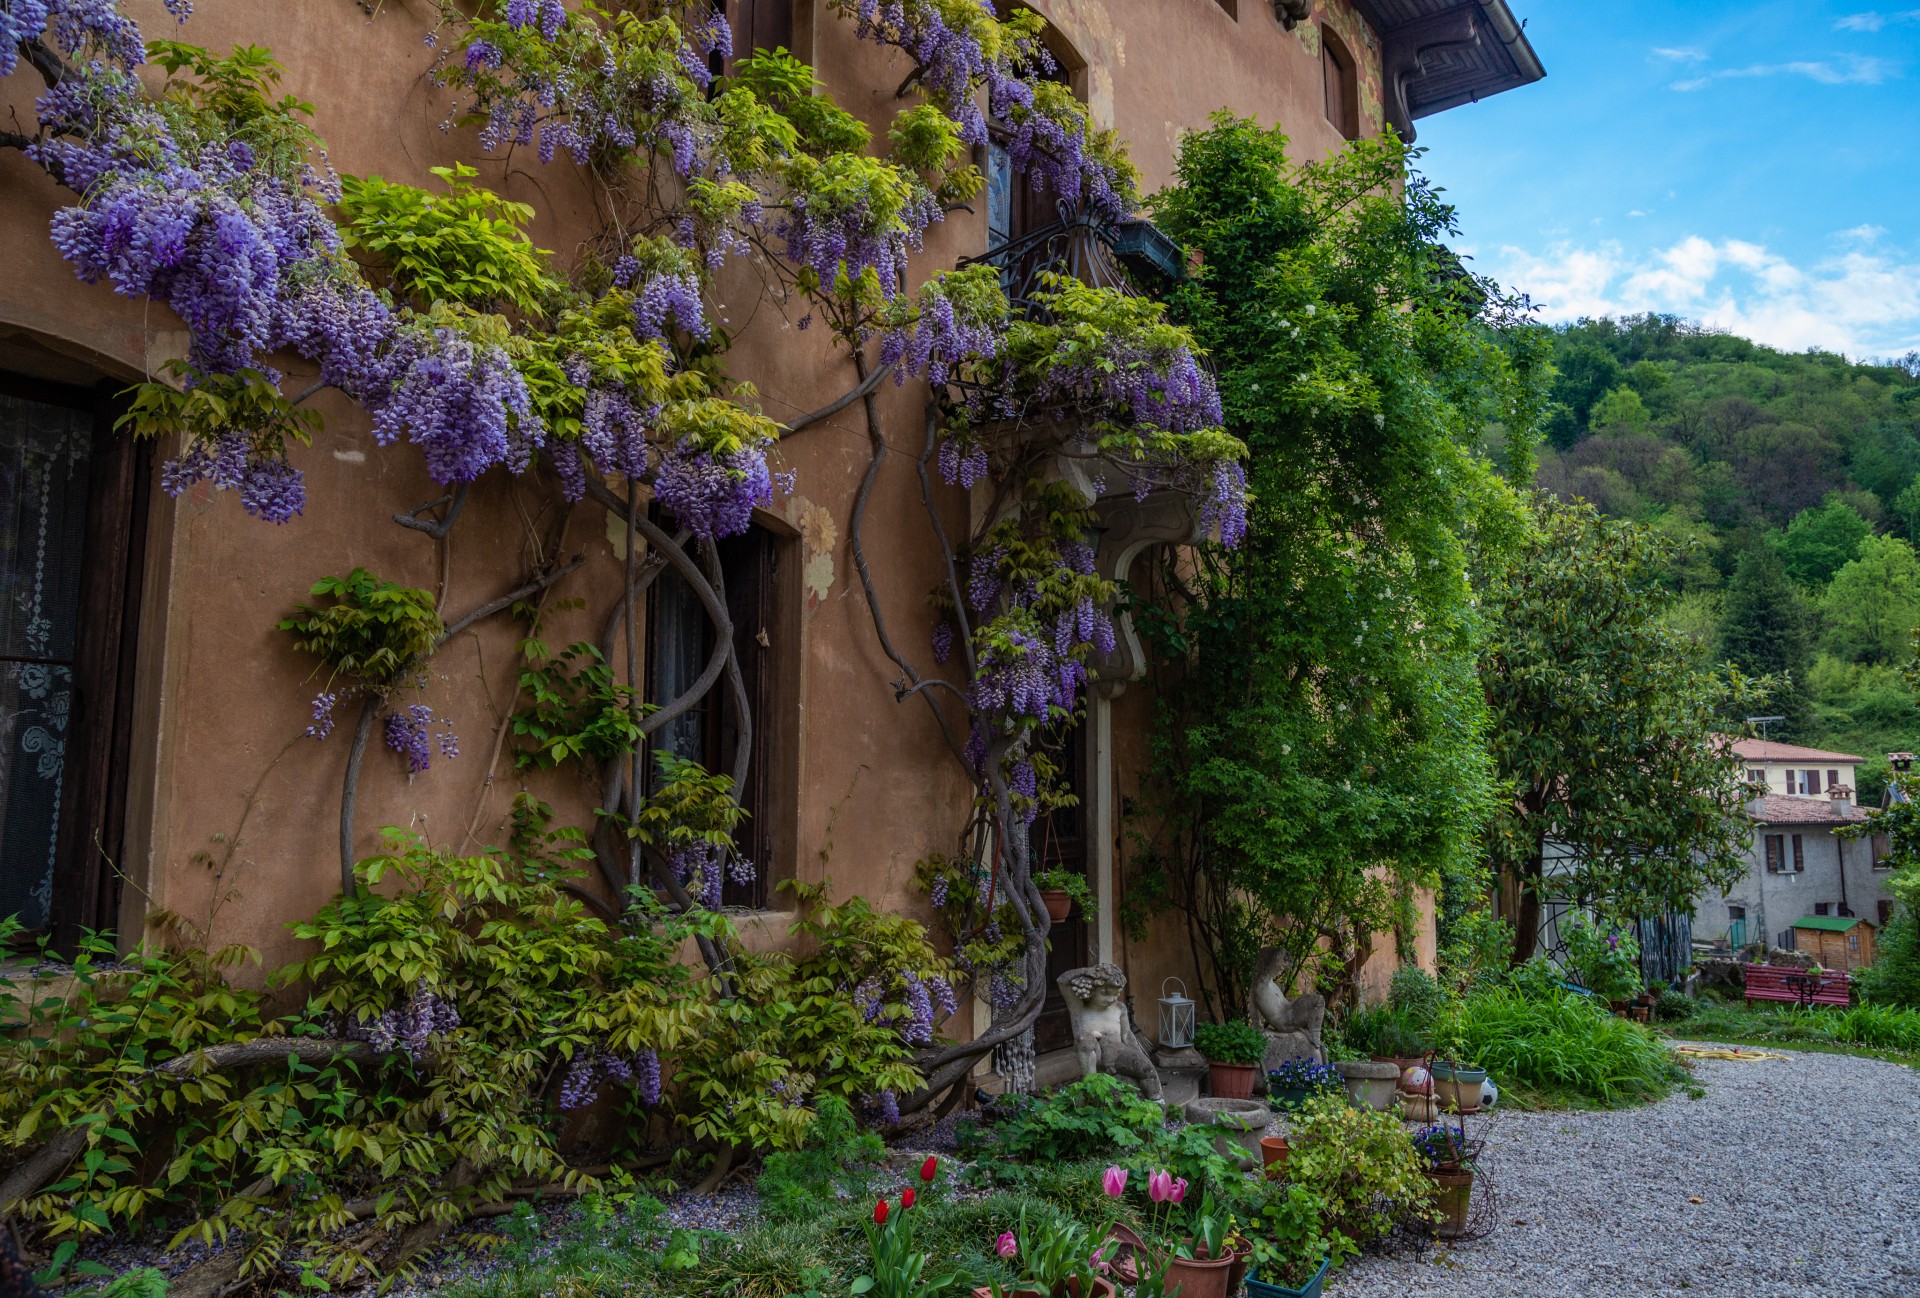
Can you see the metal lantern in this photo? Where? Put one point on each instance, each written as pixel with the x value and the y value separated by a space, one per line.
pixel 1176 1017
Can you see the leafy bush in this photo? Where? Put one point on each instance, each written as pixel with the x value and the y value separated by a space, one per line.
pixel 838 1162
pixel 1238 1042
pixel 1675 1006
pixel 1385 1032
pixel 1095 1116
pixel 1361 1166
pixel 1567 1045
pixel 1894 978
pixel 1605 959
pixel 1415 995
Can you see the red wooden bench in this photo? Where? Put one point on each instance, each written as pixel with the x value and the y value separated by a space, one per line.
pixel 1769 982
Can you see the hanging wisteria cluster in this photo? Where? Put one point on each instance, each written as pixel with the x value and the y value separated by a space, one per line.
pixel 408 1028
pixel 590 1068
pixel 414 732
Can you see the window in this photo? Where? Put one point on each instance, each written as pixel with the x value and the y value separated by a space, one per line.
pixel 1736 913
pixel 1799 854
pixel 679 642
pixel 1756 777
pixel 1232 8
pixel 757 25
pixel 1853 943
pixel 1833 780
pixel 1823 908
pixel 1882 852
pixel 1342 84
pixel 1884 910
pixel 1776 853
pixel 1014 206
pixel 70 523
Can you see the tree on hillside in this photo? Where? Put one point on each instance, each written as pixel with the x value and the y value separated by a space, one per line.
pixel 1621 409
pixel 1587 373
pixel 1819 541
pixel 1873 603
pixel 1765 632
pixel 1603 730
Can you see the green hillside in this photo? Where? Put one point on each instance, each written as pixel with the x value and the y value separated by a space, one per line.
pixel 1796 479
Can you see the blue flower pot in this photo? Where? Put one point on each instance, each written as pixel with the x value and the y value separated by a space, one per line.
pixel 1258 1288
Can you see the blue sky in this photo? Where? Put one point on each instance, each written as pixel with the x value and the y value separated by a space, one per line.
pixel 1754 166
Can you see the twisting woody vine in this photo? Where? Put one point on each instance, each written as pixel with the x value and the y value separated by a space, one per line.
pixel 434 311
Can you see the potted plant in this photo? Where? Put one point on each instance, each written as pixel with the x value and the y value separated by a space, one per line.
pixel 1291 1251
pixel 1449 1158
pixel 1182 1251
pixel 1457 1085
pixel 1057 1258
pixel 1062 890
pixel 1233 1052
pixel 1294 1082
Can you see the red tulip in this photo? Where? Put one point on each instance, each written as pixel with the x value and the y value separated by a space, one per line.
pixel 928 1168
pixel 906 1198
pixel 880 1213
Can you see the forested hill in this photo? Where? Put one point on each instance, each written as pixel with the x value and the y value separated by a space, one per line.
pixel 1799 476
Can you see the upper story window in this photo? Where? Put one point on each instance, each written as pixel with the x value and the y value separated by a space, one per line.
pixel 1833 780
pixel 1342 83
pixel 1756 776
pixel 1882 852
pixel 1777 859
pixel 1232 7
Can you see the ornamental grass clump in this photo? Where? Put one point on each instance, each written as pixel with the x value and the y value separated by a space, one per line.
pixel 1565 1046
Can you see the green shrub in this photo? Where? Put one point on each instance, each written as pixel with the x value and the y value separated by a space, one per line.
pixel 838 1162
pixel 1098 1115
pixel 1238 1042
pixel 1361 1166
pixel 1675 1007
pixel 1603 958
pixel 1894 978
pixel 1416 997
pixel 1385 1032
pixel 1567 1046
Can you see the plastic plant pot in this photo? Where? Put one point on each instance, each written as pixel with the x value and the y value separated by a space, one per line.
pixel 1258 1288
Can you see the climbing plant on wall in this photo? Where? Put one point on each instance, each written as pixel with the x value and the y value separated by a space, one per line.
pixel 603 377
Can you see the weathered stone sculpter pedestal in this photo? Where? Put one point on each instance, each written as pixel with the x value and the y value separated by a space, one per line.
pixel 1103 1040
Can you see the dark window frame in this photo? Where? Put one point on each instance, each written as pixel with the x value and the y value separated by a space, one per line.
pixel 91 830
pixel 1340 79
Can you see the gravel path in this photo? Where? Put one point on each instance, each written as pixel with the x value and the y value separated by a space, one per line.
pixel 1806 1171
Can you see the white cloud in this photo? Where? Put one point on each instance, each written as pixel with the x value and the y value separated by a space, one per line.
pixel 1864 233
pixel 1856 302
pixel 1873 22
pixel 1677 55
pixel 1856 70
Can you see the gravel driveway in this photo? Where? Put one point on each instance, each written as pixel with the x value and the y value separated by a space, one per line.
pixel 1807 1171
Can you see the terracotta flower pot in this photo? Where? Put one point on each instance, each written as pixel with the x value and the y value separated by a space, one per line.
pixel 1232 1081
pixel 1201 1277
pixel 1274 1151
pixel 1453 1191
pixel 1126 1260
pixel 1059 903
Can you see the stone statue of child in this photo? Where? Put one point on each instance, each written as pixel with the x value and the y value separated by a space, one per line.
pixel 1103 1040
pixel 1292 1026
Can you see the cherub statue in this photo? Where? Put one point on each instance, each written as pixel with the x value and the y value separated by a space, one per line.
pixel 1292 1026
pixel 1103 1040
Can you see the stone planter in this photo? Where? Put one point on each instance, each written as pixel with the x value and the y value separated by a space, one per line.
pixel 1370 1085
pixel 1237 1125
pixel 1458 1088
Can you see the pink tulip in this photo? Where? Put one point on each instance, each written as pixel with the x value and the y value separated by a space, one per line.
pixel 1159 1186
pixel 1178 1190
pixel 1114 1182
pixel 1098 1261
pixel 1007 1245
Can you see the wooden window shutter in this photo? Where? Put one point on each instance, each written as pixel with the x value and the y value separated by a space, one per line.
pixel 1775 861
pixel 1799 854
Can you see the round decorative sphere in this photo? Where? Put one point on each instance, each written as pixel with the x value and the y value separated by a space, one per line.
pixel 1417 1081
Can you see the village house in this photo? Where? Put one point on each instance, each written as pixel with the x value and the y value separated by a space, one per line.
pixel 1798 866
pixel 153 745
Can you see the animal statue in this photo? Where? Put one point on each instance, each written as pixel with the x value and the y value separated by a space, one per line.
pixel 1292 1026
pixel 1103 1039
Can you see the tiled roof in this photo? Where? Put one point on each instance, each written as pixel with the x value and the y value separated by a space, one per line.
pixel 1780 809
pixel 1764 750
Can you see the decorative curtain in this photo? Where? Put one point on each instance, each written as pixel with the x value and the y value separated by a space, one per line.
pixel 43 512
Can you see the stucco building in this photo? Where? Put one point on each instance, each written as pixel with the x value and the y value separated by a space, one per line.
pixel 152 719
pixel 1797 865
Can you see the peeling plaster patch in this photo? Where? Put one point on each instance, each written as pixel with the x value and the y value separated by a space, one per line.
pixel 818 576
pixel 617 535
pixel 1120 49
pixel 350 457
pixel 1100 95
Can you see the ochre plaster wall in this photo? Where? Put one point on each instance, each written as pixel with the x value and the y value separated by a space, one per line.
pixel 867 785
